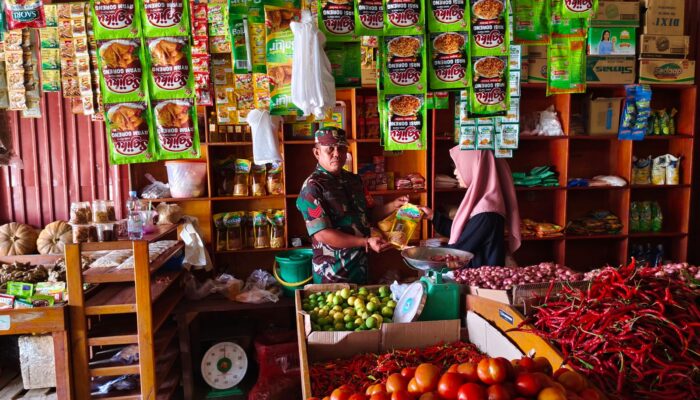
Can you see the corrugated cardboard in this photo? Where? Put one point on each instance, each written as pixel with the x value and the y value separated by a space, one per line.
pixel 680 72
pixel 617 13
pixel 603 69
pixel 664 46
pixel 537 70
pixel 665 17
pixel 490 339
pixel 418 334
pixel 603 115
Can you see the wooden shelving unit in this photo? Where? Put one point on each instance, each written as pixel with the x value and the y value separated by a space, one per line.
pixel 129 306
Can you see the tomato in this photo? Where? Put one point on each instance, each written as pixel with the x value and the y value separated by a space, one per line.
pixel 559 372
pixel 358 396
pixel 449 385
pixel 428 396
pixel 472 391
pixel 380 396
pixel 526 363
pixel 527 384
pixel 542 365
pixel 492 370
pixel 545 381
pixel 413 387
pixel 313 398
pixel 375 389
pixel 427 376
pixel 497 392
pixel 572 380
pixel 401 395
pixel 453 368
pixel 395 382
pixel 408 372
pixel 589 394
pixel 342 393
pixel 468 371
pixel 327 398
pixel 572 395
pixel 551 393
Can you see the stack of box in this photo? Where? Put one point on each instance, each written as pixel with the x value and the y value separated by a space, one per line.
pixel 612 43
pixel 664 47
pixel 537 63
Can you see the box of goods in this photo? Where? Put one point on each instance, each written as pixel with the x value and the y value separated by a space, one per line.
pixel 606 69
pixel 535 51
pixel 603 115
pixel 681 72
pixel 664 17
pixel 537 70
pixel 664 46
pixel 612 41
pixel 617 13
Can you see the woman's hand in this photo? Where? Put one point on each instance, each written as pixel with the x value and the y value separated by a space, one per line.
pixel 427 212
pixel 399 202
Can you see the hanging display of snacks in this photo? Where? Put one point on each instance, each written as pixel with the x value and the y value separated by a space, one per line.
pixel 176 128
pixel 578 9
pixel 14 67
pixel 448 60
pixel 489 28
pixel 336 19
pixel 20 14
pixel 171 76
pixel 200 56
pixel 279 52
pixel 406 122
pixel 223 88
pixel 121 63
pixel 566 66
pixel 31 74
pixel 92 47
pixel 69 71
pixel 245 94
pixel 128 133
pixel 165 18
pixel 404 69
pixel 82 60
pixel 369 17
pixel 448 15
pixel 50 53
pixel 533 18
pixel 489 94
pixel 219 39
pixel 404 17
pixel 345 59
pixel 116 19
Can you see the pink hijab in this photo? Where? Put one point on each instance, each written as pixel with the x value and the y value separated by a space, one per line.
pixel 489 189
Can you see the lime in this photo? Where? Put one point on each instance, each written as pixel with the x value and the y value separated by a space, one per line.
pixel 372 307
pixel 363 291
pixel 391 303
pixel 359 321
pixel 376 300
pixel 338 316
pixel 371 322
pixel 337 300
pixel 322 312
pixel 329 298
pixel 359 303
pixel 358 329
pixel 384 291
pixel 339 326
pixel 345 293
pixel 388 320
pixel 364 315
pixel 351 312
pixel 351 300
pixel 350 326
pixel 337 308
pixel 378 317
pixel 348 318
pixel 387 311
pixel 328 328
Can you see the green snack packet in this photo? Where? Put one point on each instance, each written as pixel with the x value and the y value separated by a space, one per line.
pixel 405 69
pixel 238 7
pixel 169 62
pixel 403 17
pixel 533 21
pixel 657 218
pixel 40 300
pixel 448 60
pixel 438 100
pixel 241 64
pixel 578 9
pixel 566 66
pixel 346 63
pixel 128 133
pixel 336 19
pixel 447 15
pixel 20 289
pixel 467 137
pixel 489 28
pixel 406 122
pixel 489 95
pixel 369 17
pixel 165 18
pixel 279 54
pixel 121 67
pixel 114 20
pixel 176 127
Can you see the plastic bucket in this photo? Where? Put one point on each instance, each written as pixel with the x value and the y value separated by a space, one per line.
pixel 294 269
pixel 187 178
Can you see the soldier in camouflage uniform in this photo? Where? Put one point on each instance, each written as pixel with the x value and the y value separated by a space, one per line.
pixel 333 204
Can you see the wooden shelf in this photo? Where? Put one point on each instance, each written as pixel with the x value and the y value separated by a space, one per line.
pixel 113 274
pixel 536 137
pixel 542 239
pixel 121 298
pixel 659 187
pixel 595 237
pixel 117 335
pixel 24 321
pixel 218 303
pixel 176 199
pixel 114 370
pixel 120 395
pixel 242 198
pixel 666 137
pixel 292 195
pixel 165 307
pixel 396 192
pixel 657 234
pixel 593 137
pixel 596 188
pixel 226 144
pixel 539 188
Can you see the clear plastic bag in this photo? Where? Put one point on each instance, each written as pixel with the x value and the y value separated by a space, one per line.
pixel 104 385
pixel 549 124
pixel 260 287
pixel 156 189
pixel 169 213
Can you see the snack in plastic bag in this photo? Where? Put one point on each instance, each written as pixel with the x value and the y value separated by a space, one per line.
pixel 165 18
pixel 260 287
pixel 489 94
pixel 258 180
pixel 169 213
pixel 672 169
pixel 249 230
pixel 658 170
pixel 233 221
pixel 220 227
pixel 405 69
pixel 407 219
pixel 277 238
pixel 21 14
pixel 634 217
pixel 156 189
pixel 275 186
pixel 240 183
pixel 489 28
pixel 261 230
pixel 641 171
pixel 447 15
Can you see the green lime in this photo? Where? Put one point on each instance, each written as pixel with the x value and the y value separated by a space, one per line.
pixel 388 320
pixel 371 322
pixel 350 326
pixel 339 326
pixel 337 308
pixel 363 291
pixel 378 317
pixel 359 303
pixel 359 321
pixel 328 328
pixel 348 318
pixel 387 311
pixel 391 303
pixel 351 300
pixel 323 321
pixel 384 291
pixel 358 329
pixel 351 312
pixel 372 307
pixel 322 312
pixel 338 316
pixel 345 293
pixel 337 300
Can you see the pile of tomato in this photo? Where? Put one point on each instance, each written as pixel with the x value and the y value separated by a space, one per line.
pixel 489 379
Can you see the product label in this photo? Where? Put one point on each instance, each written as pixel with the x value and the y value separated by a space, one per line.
pixel 371 13
pixel 163 14
pixel 338 17
pixel 128 128
pixel 121 65
pixel 449 57
pixel 115 15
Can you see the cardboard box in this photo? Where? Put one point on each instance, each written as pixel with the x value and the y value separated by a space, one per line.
pixel 612 41
pixel 604 69
pixel 665 17
pixel 603 115
pixel 617 13
pixel 522 295
pixel 664 46
pixel 661 70
pixel 537 70
pixel 536 51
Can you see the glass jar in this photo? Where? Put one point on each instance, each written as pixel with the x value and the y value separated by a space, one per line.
pixel 80 213
pixel 99 212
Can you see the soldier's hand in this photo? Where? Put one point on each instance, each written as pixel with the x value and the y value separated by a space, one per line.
pixel 377 244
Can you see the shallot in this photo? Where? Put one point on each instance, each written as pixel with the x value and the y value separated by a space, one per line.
pixel 503 278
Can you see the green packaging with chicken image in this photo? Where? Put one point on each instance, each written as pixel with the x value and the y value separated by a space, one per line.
pixel 406 122
pixel 449 61
pixel 165 18
pixel 170 68
pixel 129 133
pixel 404 58
pixel 176 129
pixel 121 66
pixel 448 15
pixel 114 20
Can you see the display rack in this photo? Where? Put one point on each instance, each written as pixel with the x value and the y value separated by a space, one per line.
pixel 130 306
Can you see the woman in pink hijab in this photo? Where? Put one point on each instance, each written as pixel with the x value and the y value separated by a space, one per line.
pixel 488 207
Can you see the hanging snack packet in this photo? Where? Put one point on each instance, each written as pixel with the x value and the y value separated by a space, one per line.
pixel 405 69
pixel 20 14
pixel 233 221
pixel 336 19
pixel 447 15
pixel 220 231
pixel 485 134
pixel 672 169
pixel 258 180
pixel 116 19
pixel 165 18
pixel 658 170
pixel 260 95
pixel 369 17
pixel 275 186
pixel 128 133
pixel 279 54
pixel 642 99
pixel 240 182
pixel 578 9
pixel 407 220
pixel 406 122
pixel 345 59
pixel 449 67
pixel 467 137
pixel 489 94
pixel 121 68
pixel 176 127
pixel 566 66
pixel 489 28
pixel 171 75
pixel 277 237
pixel 403 17
pixel 261 230
pixel 532 18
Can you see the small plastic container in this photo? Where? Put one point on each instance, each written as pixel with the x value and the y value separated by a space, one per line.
pixel 111 211
pixel 80 213
pixel 186 178
pixel 106 232
pixel 99 212
pixel 83 233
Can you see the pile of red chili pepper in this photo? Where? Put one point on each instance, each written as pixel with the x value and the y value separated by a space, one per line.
pixel 363 370
pixel 632 333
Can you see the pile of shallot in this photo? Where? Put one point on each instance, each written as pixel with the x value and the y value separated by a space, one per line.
pixel 504 278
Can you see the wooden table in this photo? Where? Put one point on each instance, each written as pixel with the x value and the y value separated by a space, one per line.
pixel 44 320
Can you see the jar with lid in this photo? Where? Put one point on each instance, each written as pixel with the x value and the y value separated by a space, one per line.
pixel 80 212
pixel 99 212
pixel 111 211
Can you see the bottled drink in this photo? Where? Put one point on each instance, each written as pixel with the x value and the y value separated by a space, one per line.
pixel 135 221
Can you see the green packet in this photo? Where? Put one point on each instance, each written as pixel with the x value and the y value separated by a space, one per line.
pixel 279 54
pixel 241 64
pixel 129 133
pixel 447 15
pixel 176 128
pixel 404 17
pixel 489 28
pixel 489 95
pixel 336 19
pixel 121 66
pixel 405 70
pixel 571 9
pixel 566 66
pixel 448 60
pixel 169 63
pixel 114 20
pixel 369 17
pixel 165 18
pixel 345 59
pixel 20 289
pixel 437 100
pixel 533 21
pixel 406 122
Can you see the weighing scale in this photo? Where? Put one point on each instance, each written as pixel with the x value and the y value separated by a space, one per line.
pixel 223 367
pixel 430 298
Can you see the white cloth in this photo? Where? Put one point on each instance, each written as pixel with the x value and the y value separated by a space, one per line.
pixel 265 144
pixel 313 85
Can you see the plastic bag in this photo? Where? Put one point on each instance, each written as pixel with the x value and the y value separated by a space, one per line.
pixel 196 254
pixel 658 170
pixel 641 171
pixel 672 169
pixel 225 284
pixel 549 124
pixel 397 290
pixel 169 213
pixel 104 385
pixel 260 287
pixel 156 189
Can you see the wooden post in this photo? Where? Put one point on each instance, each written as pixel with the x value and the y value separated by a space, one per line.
pixel 144 320
pixel 78 324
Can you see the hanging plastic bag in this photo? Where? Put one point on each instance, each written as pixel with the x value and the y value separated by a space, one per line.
pixel 156 189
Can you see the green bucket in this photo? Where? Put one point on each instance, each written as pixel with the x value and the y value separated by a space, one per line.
pixel 294 269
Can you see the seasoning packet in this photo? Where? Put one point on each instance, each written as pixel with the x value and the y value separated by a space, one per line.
pixel 403 17
pixel 20 14
pixel 244 91
pixel 641 171
pixel 489 28
pixel 369 17
pixel 279 54
pixel 405 122
pixel 485 134
pixel 336 19
pixel 121 66
pixel 447 15
pixel 578 9
pixel 165 18
pixel 176 127
pixel 261 91
pixel 405 67
pixel 114 20
pixel 658 170
pixel 233 222
pixel 407 219
pixel 256 42
pixel 489 94
pixel 277 236
pixel 240 182
pixel 345 59
pixel 533 18
pixel 128 133
pixel 171 75
pixel 566 66
pixel 467 137
pixel 449 62
pixel 672 169
pixel 508 137
pixel 261 230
